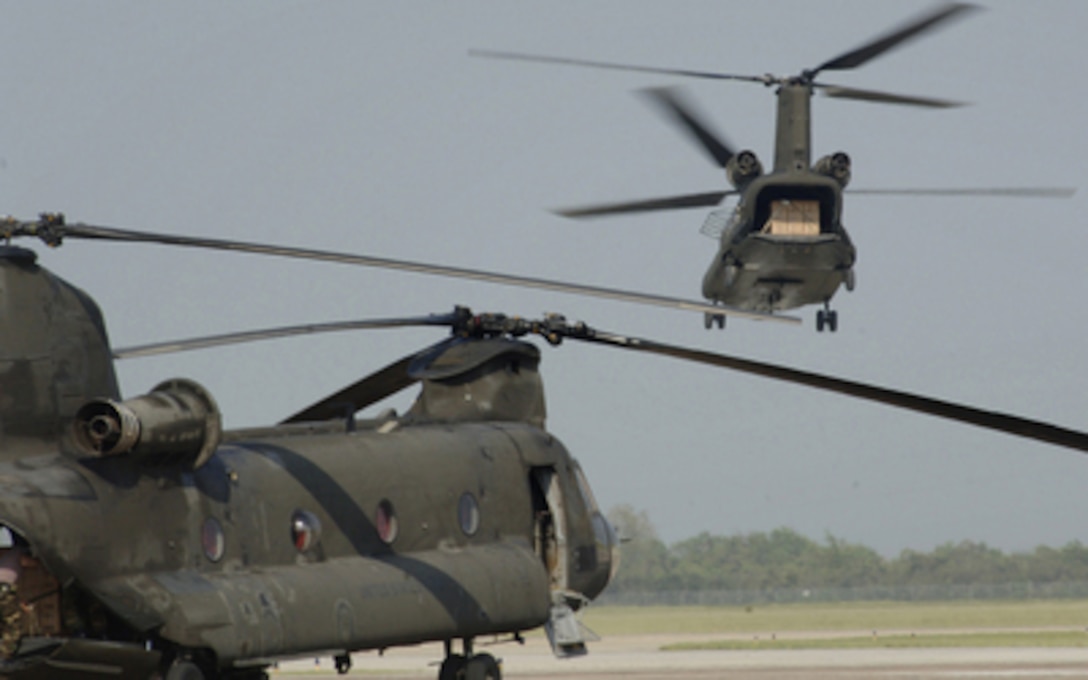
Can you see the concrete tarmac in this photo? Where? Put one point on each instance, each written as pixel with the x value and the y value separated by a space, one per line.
pixel 640 658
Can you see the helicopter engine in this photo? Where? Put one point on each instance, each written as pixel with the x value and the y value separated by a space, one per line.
pixel 176 419
pixel 835 166
pixel 742 168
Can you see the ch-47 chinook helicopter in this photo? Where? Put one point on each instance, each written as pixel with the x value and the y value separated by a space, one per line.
pixel 138 539
pixel 783 245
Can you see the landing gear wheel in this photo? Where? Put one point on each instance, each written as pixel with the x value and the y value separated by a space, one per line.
pixel 710 320
pixel 828 318
pixel 482 667
pixel 184 670
pixel 343 663
pixel 452 668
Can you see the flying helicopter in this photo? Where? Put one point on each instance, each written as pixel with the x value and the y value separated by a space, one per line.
pixel 783 245
pixel 140 539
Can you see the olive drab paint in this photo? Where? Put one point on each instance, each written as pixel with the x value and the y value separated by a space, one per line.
pixel 145 549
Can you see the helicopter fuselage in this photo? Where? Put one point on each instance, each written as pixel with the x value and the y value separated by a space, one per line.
pixel 138 537
pixel 303 540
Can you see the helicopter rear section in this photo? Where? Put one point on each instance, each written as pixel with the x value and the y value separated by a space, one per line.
pixel 784 246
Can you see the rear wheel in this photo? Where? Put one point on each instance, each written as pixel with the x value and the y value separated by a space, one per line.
pixel 452 668
pixel 184 670
pixel 482 667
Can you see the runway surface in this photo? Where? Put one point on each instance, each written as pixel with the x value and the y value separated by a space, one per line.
pixel 640 658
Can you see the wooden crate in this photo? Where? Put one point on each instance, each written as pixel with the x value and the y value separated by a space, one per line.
pixel 793 218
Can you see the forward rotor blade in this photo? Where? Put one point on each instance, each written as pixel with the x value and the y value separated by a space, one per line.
pixel 206 342
pixel 1015 192
pixel 841 92
pixel 519 56
pixel 703 200
pixel 357 396
pixel 52 229
pixel 672 103
pixel 882 44
pixel 991 420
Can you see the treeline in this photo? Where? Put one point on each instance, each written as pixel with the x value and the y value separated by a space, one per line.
pixel 784 559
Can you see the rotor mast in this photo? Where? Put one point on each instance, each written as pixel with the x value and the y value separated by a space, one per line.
pixel 793 128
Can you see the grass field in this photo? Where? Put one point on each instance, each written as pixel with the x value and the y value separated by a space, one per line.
pixel 1036 623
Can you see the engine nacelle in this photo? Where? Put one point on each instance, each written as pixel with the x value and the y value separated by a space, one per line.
pixel 176 420
pixel 835 166
pixel 742 168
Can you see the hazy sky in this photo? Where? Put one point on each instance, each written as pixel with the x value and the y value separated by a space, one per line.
pixel 366 127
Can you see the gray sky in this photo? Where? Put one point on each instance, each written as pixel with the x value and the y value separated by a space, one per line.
pixel 365 127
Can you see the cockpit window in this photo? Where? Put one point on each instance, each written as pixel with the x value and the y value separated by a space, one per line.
pixel 583 488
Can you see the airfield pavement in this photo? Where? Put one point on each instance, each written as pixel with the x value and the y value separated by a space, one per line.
pixel 638 657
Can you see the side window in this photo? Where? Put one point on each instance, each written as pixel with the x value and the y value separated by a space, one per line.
pixel 468 513
pixel 386 521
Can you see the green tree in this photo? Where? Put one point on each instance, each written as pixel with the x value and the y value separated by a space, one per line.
pixel 785 558
pixel 645 563
pixel 847 565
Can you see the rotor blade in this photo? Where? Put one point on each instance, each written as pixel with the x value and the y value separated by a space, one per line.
pixel 519 56
pixel 451 357
pixel 205 342
pixel 1017 192
pixel 53 230
pixel 703 200
pixel 357 396
pixel 992 420
pixel 669 100
pixel 841 92
pixel 882 44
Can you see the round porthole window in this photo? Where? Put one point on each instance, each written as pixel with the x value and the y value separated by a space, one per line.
pixel 386 522
pixel 305 530
pixel 212 539
pixel 468 513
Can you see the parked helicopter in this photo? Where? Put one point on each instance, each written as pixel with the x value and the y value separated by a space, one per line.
pixel 139 539
pixel 783 245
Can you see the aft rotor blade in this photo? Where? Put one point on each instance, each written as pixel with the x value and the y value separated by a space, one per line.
pixel 704 200
pixel 841 92
pixel 1016 192
pixel 672 103
pixel 206 342
pixel 55 230
pixel 874 48
pixel 992 420
pixel 519 56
